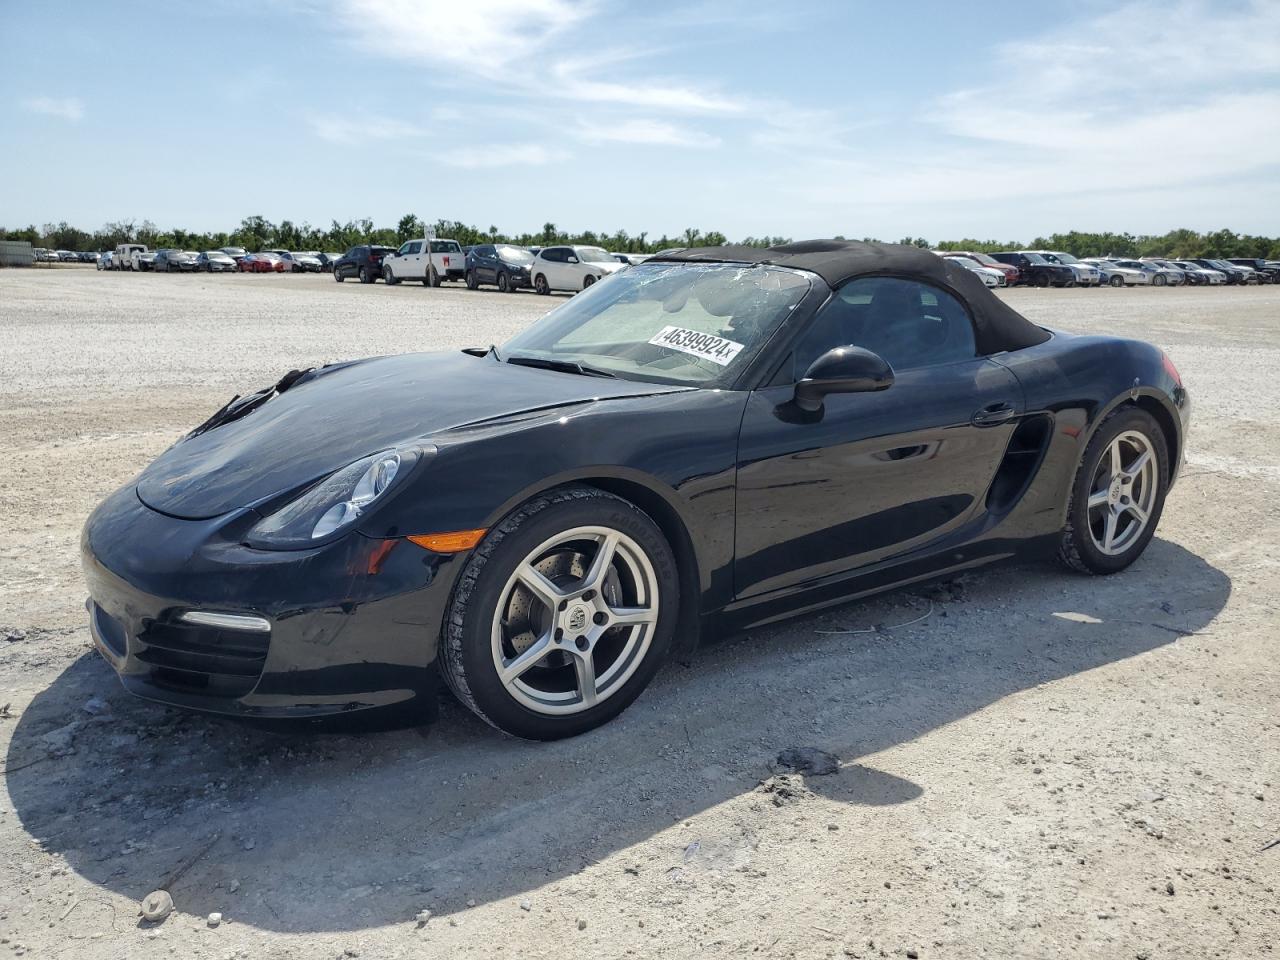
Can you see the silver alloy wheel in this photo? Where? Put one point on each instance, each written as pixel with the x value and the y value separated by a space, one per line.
pixel 1124 489
pixel 575 620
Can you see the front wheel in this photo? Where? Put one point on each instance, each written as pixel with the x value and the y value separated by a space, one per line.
pixel 540 285
pixel 562 615
pixel 389 277
pixel 504 284
pixel 1116 281
pixel 1159 280
pixel 1118 494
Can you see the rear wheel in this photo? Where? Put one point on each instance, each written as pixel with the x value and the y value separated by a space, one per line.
pixel 1118 494
pixel 540 285
pixel 1042 280
pixel 1159 280
pixel 562 615
pixel 366 275
pixel 1116 281
pixel 472 283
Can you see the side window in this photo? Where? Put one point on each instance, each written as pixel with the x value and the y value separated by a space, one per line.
pixel 404 248
pixel 485 251
pixel 910 324
pixel 415 247
pixel 554 254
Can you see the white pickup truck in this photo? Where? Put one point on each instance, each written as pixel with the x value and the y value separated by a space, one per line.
pixel 410 262
pixel 125 256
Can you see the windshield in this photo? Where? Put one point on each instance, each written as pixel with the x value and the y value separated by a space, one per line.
pixel 684 323
pixel 515 255
pixel 985 260
pixel 1064 258
pixel 1035 258
pixel 594 255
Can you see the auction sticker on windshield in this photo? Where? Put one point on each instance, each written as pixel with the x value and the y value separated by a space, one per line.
pixel 705 345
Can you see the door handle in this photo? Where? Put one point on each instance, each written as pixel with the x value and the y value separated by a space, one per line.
pixel 994 414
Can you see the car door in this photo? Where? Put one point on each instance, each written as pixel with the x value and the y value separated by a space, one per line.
pixel 871 475
pixel 486 263
pixel 554 266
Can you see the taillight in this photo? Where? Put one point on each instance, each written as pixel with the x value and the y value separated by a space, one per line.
pixel 1170 369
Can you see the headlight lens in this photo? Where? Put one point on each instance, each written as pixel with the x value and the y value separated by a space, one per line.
pixel 333 505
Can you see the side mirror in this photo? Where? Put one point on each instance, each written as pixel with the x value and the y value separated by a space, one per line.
pixel 842 370
pixel 573 259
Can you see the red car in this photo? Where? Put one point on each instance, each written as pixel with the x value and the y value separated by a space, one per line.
pixel 261 263
pixel 1009 270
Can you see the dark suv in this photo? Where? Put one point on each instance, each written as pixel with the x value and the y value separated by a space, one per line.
pixel 1234 272
pixel 1266 274
pixel 501 264
pixel 364 261
pixel 1035 271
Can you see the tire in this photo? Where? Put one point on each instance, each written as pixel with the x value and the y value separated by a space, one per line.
pixel 1089 528
pixel 337 276
pixel 1116 281
pixel 587 281
pixel 540 285
pixel 366 275
pixel 1042 280
pixel 504 284
pixel 472 283
pixel 1159 280
pixel 545 700
pixel 432 277
pixel 389 277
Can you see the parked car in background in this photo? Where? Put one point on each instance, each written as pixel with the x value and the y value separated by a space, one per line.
pixel 122 256
pixel 104 260
pixel 988 275
pixel 235 253
pixel 215 261
pixel 1087 274
pixel 65 256
pixel 176 261
pixel 86 256
pixel 1113 276
pixel 1233 273
pixel 986 260
pixel 570 268
pixel 260 263
pixel 501 264
pixel 630 259
pixel 1259 266
pixel 1157 275
pixel 1198 275
pixel 363 261
pixel 296 262
pixel 1034 270
pixel 429 261
pixel 1177 276
pixel 144 260
pixel 327 260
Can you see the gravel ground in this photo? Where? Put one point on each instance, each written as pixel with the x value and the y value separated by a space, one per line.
pixel 1039 765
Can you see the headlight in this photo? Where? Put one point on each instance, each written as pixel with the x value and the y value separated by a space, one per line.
pixel 334 504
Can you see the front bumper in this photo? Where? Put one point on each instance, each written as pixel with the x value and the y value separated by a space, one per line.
pixel 352 626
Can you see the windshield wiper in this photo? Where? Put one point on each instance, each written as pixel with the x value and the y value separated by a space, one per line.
pixel 565 366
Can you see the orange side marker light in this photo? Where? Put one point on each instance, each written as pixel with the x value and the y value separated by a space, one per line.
pixel 454 542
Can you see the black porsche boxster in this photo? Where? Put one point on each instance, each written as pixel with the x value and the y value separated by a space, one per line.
pixel 713 439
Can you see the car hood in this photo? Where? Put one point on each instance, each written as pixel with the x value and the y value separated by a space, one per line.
pixel 340 414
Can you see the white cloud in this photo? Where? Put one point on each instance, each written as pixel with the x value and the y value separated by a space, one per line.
pixel 447 33
pixel 344 130
pixel 67 108
pixel 647 132
pixel 502 155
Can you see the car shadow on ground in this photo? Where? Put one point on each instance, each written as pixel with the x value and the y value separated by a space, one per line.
pixel 312 833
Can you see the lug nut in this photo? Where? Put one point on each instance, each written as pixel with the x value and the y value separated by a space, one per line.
pixel 559 634
pixel 600 618
pixel 589 595
pixel 564 604
pixel 581 642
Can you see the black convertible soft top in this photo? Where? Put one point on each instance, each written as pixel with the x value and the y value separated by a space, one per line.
pixel 997 326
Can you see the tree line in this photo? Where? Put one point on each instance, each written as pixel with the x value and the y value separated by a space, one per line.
pixel 258 233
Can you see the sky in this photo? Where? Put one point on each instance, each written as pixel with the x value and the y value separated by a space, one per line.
pixel 798 119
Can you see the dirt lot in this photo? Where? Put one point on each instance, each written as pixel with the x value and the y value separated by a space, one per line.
pixel 1044 765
